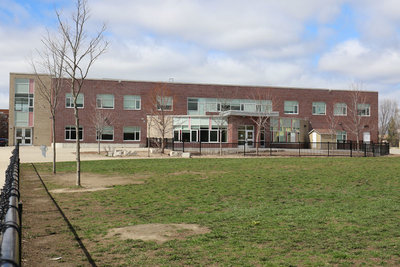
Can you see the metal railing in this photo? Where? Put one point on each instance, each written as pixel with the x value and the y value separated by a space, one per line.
pixel 10 215
pixel 298 149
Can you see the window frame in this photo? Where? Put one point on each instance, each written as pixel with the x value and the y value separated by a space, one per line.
pixel 366 107
pixel 135 99
pixel 134 133
pixel 297 107
pixel 315 107
pixel 70 131
pixel 192 100
pixel 162 104
pixel 101 137
pixel 99 97
pixel 71 100
pixel 339 106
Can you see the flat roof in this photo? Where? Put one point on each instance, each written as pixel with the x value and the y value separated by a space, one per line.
pixel 212 84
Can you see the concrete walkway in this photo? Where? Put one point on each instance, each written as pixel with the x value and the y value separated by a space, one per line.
pixel 33 154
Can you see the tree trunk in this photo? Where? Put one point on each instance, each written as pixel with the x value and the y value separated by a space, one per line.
pixel 162 144
pixel 220 142
pixel 78 148
pixel 54 143
pixel 98 143
pixel 257 139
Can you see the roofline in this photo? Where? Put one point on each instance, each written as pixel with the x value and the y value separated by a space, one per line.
pixel 214 84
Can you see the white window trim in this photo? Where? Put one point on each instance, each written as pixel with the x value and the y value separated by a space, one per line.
pixel 334 107
pixel 369 110
pixel 97 97
pixel 72 101
pixel 77 133
pixel 298 107
pixel 172 104
pixel 316 114
pixel 97 137
pixel 140 103
pixel 140 135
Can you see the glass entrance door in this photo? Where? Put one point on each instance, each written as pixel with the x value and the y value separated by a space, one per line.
pixel 246 135
pixel 23 136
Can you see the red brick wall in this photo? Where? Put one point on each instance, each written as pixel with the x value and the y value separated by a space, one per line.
pixel 181 92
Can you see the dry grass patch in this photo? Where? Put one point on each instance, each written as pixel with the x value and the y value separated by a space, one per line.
pixel 157 232
pixel 93 181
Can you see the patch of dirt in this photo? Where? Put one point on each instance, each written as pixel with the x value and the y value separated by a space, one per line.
pixel 159 233
pixel 78 190
pixel 85 189
pixel 92 181
pixel 46 239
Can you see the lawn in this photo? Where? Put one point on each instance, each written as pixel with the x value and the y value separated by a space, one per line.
pixel 262 211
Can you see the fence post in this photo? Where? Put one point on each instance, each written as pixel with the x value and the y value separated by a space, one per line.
pixel 244 148
pixel 270 149
pixel 299 150
pixel 328 149
pixel 173 144
pixel 183 145
pixel 365 149
pixel 351 149
pixel 373 149
pixel 200 147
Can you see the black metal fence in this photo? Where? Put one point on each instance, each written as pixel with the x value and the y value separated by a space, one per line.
pixel 298 149
pixel 10 215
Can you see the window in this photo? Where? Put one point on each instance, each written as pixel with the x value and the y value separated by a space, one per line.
pixel 363 109
pixel 21 118
pixel 291 107
pixel 107 134
pixel 223 106
pixel 132 133
pixel 69 101
pixel 193 104
pixel 105 101
pixel 341 136
pixel 318 108
pixel 23 102
pixel 21 86
pixel 340 109
pixel 132 102
pixel 164 102
pixel 70 133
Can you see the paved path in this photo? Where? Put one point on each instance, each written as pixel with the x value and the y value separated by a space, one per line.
pixel 34 154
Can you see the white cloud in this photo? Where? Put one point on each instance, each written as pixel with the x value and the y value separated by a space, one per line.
pixel 257 42
pixel 359 61
pixel 220 25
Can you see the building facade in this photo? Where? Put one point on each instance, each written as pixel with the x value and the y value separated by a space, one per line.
pixel 206 113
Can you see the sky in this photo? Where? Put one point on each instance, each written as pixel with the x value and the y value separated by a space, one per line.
pixel 331 44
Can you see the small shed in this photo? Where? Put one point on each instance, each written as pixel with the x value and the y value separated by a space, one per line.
pixel 322 135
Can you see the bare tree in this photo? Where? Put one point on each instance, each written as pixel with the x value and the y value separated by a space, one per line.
pixel 393 132
pixel 357 122
pixel 82 50
pixel 51 62
pixel 101 119
pixel 159 105
pixel 220 119
pixel 3 125
pixel 263 109
pixel 332 122
pixel 388 109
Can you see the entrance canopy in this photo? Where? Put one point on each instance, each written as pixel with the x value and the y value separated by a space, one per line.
pixel 229 113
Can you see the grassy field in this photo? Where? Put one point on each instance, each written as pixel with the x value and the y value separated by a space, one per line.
pixel 279 211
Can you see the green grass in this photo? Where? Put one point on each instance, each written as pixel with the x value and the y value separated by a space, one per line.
pixel 279 211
